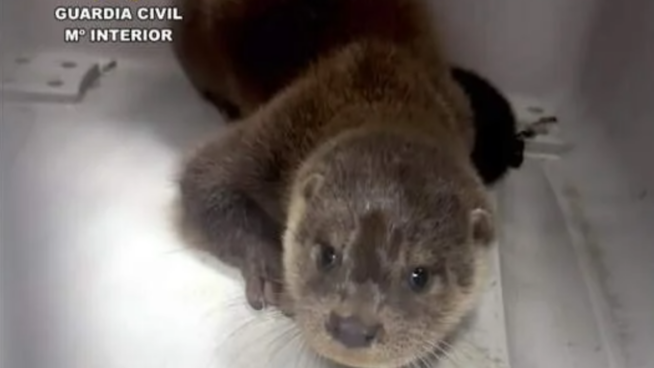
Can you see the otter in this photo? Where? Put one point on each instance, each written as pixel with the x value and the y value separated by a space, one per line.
pixel 346 194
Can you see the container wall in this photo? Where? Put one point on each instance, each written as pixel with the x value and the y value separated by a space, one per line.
pixel 617 92
pixel 618 81
pixel 532 48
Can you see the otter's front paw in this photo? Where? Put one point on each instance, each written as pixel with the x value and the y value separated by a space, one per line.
pixel 261 291
pixel 263 284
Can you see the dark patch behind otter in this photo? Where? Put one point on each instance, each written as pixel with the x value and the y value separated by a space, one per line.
pixel 497 145
pixel 279 39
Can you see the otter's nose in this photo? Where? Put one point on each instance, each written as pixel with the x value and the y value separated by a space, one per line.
pixel 351 331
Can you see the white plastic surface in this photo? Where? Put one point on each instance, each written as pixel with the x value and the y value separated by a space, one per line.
pixel 91 276
pixel 50 76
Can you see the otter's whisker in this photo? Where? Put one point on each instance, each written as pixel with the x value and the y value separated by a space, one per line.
pixel 450 356
pixel 310 358
pixel 237 300
pixel 271 335
pixel 298 345
pixel 480 352
pixel 421 359
pixel 433 351
pixel 455 354
pixel 243 327
pixel 315 359
pixel 459 350
pixel 423 362
pixel 244 347
pixel 282 340
pixel 212 311
pixel 303 350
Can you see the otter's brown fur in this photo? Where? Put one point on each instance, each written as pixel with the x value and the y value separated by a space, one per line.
pixel 240 53
pixel 355 140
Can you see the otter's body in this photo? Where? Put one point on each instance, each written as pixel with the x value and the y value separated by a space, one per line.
pixel 347 188
pixel 239 54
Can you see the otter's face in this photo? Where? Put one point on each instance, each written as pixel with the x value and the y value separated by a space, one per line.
pixel 377 277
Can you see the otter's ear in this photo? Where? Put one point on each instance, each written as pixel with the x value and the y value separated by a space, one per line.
pixel 311 185
pixel 483 228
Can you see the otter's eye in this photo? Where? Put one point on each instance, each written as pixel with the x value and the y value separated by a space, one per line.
pixel 419 279
pixel 327 257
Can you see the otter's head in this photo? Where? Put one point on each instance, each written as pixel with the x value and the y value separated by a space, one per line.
pixel 385 249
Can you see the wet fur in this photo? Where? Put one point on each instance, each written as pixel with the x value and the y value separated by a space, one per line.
pixel 369 118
